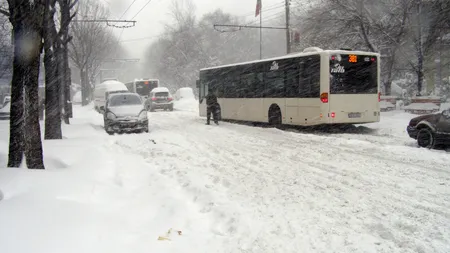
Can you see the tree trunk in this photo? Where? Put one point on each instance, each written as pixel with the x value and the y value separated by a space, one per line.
pixel 16 128
pixel 60 74
pixel 84 88
pixel 67 83
pixel 65 6
pixel 33 143
pixel 389 65
pixel 52 108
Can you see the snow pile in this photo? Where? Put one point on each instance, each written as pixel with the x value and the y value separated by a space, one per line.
pixel 185 93
pixel 77 98
pixel 186 100
pixel 422 106
pixel 96 196
pixel 386 105
pixel 445 106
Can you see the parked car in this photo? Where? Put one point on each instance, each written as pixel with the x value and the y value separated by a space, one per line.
pixel 431 130
pixel 125 112
pixel 4 111
pixel 160 98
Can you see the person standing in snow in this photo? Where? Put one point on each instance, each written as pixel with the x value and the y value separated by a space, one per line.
pixel 211 107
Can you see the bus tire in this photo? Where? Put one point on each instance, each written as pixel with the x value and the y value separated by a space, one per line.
pixel 275 116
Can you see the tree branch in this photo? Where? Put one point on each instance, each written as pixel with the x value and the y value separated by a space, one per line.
pixel 4 12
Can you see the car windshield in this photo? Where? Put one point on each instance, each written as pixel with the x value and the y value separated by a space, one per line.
pixel 125 100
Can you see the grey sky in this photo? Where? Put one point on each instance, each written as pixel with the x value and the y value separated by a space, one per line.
pixel 150 21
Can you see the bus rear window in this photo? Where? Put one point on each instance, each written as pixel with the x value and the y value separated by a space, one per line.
pixel 142 89
pixel 353 74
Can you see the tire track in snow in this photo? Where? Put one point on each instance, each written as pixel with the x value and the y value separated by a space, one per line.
pixel 399 201
pixel 286 196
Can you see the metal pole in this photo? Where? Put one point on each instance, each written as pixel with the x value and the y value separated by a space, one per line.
pixel 260 31
pixel 288 37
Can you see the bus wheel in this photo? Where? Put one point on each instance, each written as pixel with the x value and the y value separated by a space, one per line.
pixel 275 116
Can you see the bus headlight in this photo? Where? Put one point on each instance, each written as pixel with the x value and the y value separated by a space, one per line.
pixel 111 116
pixel 142 116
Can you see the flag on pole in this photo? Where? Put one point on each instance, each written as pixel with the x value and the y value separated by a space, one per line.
pixel 258 8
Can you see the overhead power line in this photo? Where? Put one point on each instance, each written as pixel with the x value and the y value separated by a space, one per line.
pixel 128 9
pixel 141 9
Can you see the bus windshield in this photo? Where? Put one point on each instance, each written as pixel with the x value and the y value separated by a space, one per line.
pixel 353 74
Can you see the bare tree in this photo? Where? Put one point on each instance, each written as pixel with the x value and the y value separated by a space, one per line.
pixel 27 20
pixel 56 65
pixel 92 42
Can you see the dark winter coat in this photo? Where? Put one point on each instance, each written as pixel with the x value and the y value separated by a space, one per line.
pixel 211 100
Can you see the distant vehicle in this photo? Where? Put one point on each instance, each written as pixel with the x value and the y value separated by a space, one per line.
pixel 103 90
pixel 125 112
pixel 160 98
pixel 432 130
pixel 314 87
pixel 184 93
pixel 143 87
pixel 5 111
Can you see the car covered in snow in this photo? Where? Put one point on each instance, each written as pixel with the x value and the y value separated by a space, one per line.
pixel 103 90
pixel 431 130
pixel 125 112
pixel 160 98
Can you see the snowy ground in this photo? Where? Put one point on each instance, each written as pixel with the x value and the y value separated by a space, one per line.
pixel 228 188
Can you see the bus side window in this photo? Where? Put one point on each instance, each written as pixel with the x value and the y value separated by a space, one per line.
pixel 292 80
pixel 309 83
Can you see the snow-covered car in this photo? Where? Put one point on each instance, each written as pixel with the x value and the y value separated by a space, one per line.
pixel 125 112
pixel 431 130
pixel 4 111
pixel 184 93
pixel 160 98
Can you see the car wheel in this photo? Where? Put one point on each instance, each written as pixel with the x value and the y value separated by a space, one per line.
pixel 171 108
pixel 425 138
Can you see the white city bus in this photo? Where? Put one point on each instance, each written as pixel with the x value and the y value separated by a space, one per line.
pixel 143 87
pixel 314 87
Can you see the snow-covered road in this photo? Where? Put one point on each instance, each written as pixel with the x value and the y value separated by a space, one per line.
pixel 277 191
pixel 249 189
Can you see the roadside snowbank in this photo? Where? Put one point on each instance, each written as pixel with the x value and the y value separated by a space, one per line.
pixel 95 197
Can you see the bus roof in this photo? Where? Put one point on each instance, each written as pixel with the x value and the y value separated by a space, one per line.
pixel 145 79
pixel 295 55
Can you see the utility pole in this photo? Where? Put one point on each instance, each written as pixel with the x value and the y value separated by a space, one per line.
pixel 288 35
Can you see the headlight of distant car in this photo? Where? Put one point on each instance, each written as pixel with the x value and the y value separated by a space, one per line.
pixel 143 115
pixel 111 116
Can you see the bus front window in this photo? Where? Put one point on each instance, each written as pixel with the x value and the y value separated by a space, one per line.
pixel 354 74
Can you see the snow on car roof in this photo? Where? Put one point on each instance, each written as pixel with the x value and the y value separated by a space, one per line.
pixel 112 85
pixel 160 89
